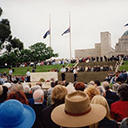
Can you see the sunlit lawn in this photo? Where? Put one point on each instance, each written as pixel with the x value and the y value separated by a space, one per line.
pixel 124 66
pixel 23 70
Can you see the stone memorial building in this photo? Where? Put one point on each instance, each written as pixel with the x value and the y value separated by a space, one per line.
pixel 104 47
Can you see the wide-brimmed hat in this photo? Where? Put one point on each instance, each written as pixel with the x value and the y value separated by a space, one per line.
pixel 77 111
pixel 14 114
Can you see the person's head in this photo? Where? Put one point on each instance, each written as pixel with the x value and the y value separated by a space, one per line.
pixel 38 95
pixel 74 83
pixel 18 95
pixel 26 89
pixel 123 92
pixel 39 83
pixel 115 87
pixel 124 123
pixel 16 87
pixel 14 114
pixel 97 82
pixel 92 91
pixel 91 82
pixel 106 85
pixel 8 85
pixel 98 99
pixel 52 84
pixel 58 94
pixel 56 82
pixel 80 86
pixel 35 88
pixel 119 80
pixel 77 111
pixel 1 89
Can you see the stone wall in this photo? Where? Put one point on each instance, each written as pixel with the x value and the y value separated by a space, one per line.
pixel 84 52
pixel 105 43
pixel 45 75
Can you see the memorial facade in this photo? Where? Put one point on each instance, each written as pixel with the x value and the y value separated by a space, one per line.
pixel 104 47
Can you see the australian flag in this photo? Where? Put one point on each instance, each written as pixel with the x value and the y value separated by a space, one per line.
pixel 126 25
pixel 67 31
pixel 47 33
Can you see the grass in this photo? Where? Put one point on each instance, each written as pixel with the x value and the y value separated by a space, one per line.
pixel 124 66
pixel 23 70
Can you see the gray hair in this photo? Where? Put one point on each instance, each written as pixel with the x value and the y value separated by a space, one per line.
pixel 38 94
pixel 16 87
pixel 34 88
pixel 115 87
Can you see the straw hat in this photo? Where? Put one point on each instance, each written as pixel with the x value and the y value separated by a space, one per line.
pixel 77 111
pixel 14 114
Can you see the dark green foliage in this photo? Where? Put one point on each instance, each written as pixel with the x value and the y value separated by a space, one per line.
pixel 1 11
pixel 4 30
pixel 41 52
pixel 16 43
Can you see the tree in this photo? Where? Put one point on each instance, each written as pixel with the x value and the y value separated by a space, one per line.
pixel 25 55
pixel 1 11
pixel 4 30
pixel 41 52
pixel 16 43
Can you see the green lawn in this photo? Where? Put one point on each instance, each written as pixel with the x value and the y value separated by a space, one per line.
pixel 23 70
pixel 124 66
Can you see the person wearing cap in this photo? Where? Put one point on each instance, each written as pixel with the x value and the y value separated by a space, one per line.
pixel 63 71
pixel 77 111
pixel 14 114
pixel 58 97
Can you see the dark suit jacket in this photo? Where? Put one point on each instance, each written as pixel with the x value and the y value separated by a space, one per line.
pixel 112 95
pixel 106 123
pixel 38 109
pixel 46 118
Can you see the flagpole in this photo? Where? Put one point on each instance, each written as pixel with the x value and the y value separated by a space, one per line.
pixel 50 34
pixel 70 36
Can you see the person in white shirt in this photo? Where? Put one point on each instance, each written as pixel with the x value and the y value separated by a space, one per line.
pixel 10 74
pixel 28 76
pixel 63 71
pixel 75 73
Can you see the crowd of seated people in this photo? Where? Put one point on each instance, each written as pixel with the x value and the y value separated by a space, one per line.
pixel 73 60
pixel 119 76
pixel 52 106
pixel 98 68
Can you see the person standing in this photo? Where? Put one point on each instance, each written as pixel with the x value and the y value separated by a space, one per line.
pixel 63 71
pixel 28 75
pixel 10 74
pixel 75 73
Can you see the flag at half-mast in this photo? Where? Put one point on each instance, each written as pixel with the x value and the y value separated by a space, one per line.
pixel 47 33
pixel 126 25
pixel 67 31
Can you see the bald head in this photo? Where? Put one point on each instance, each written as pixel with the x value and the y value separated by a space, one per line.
pixel 38 95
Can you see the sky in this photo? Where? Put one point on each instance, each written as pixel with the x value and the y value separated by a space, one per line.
pixel 29 20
